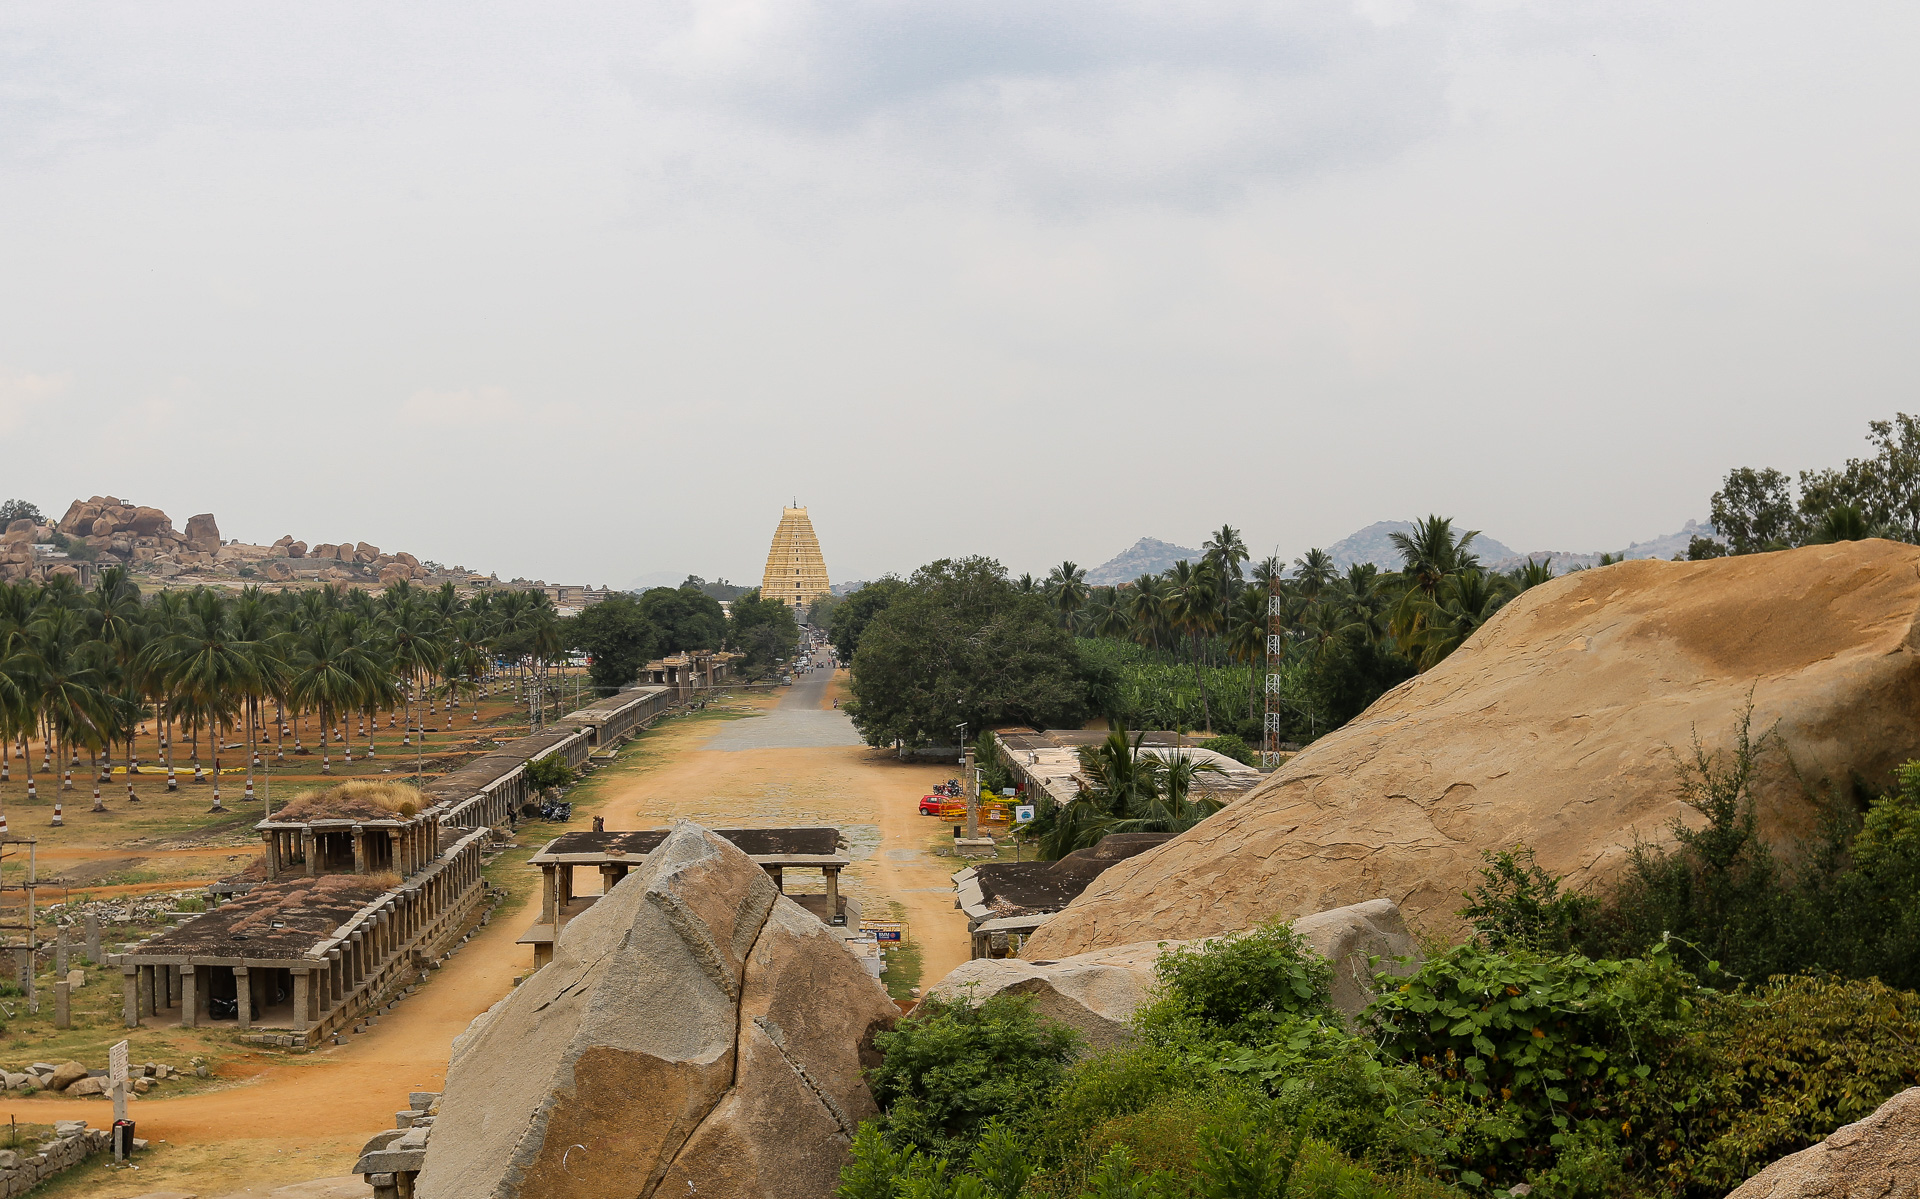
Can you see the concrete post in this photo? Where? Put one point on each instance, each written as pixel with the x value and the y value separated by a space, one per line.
pixel 130 984
pixel 243 993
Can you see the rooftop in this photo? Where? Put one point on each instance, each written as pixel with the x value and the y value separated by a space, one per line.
pixel 308 911
pixel 991 890
pixel 1049 762
pixel 790 843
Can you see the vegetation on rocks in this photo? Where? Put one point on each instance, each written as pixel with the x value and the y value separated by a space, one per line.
pixel 1577 1045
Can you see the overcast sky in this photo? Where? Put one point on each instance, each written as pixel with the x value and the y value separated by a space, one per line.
pixel 587 292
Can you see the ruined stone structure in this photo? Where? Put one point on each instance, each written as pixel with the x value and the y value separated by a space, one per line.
pixel 612 855
pixel 796 573
pixel 329 934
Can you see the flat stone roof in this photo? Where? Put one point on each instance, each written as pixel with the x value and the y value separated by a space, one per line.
pixel 995 890
pixel 818 846
pixel 309 911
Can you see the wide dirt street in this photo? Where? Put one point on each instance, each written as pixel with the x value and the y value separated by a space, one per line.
pixel 796 761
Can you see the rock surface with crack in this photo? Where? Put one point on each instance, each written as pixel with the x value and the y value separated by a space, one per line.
pixel 1558 725
pixel 693 1026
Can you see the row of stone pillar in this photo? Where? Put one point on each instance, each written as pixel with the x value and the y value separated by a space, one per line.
pixel 317 989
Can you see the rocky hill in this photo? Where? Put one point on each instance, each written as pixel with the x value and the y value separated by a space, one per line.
pixel 1555 726
pixel 107 531
pixel 1146 557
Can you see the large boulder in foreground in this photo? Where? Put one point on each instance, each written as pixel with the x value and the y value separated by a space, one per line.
pixel 1876 1158
pixel 1097 993
pixel 694 1026
pixel 1555 726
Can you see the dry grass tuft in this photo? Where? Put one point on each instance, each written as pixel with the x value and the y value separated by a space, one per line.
pixel 360 799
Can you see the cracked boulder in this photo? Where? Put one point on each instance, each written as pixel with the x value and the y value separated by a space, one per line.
pixel 695 1033
pixel 1558 725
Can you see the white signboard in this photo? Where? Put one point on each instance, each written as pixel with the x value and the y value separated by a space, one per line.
pixel 117 1080
pixel 1023 813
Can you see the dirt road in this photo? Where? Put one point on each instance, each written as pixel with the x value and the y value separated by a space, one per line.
pixel 798 763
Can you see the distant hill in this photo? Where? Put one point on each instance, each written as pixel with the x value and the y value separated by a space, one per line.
pixel 1372 544
pixel 1147 557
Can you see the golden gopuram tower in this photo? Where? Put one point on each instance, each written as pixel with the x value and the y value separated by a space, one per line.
pixel 796 573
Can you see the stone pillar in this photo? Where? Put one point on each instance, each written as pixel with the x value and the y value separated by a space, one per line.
pixel 302 1000
pixel 62 1017
pixel 336 976
pixel 93 939
pixel 833 891
pixel 309 844
pixel 549 892
pixel 273 854
pixel 243 994
pixel 130 985
pixel 778 875
pixel 359 850
pixel 189 996
pixel 143 991
pixel 173 986
pixel 60 950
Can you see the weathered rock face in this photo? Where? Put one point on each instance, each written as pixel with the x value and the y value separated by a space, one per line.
pixel 1878 1157
pixel 1554 726
pixel 202 533
pixel 1097 993
pixel 693 1025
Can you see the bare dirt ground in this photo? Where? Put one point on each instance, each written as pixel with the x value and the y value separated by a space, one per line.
pixel 293 1118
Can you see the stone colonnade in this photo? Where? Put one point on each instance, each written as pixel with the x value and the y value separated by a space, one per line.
pixel 337 980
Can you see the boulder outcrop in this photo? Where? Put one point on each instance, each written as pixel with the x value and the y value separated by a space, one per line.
pixel 1556 726
pixel 1097 993
pixel 695 1032
pixel 203 534
pixel 1878 1156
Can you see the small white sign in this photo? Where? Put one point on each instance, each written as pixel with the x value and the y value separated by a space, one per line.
pixel 1023 813
pixel 117 1063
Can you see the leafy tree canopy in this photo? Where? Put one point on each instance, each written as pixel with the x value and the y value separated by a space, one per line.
pixel 963 644
pixel 686 617
pixel 12 510
pixel 618 636
pixel 851 616
pixel 762 629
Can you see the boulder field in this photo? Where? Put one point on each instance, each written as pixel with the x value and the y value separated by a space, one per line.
pixel 695 1033
pixel 1559 725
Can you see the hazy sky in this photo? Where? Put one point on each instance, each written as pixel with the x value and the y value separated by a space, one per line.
pixel 587 292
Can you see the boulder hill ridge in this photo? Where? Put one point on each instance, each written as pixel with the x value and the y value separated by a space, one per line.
pixel 1555 726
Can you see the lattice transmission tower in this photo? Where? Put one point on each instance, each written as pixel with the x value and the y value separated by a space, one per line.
pixel 1276 652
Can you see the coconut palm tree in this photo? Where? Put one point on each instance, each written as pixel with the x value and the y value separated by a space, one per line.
pixel 1192 592
pixel 1147 609
pixel 1226 550
pixel 214 670
pixel 1067 588
pixel 1313 571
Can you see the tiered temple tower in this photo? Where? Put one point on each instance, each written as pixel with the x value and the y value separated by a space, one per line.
pixel 796 573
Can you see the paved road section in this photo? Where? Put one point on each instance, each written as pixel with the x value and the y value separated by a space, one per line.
pixel 803 719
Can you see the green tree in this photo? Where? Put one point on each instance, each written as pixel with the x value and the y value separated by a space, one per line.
pixel 853 614
pixel 1754 511
pixel 962 644
pixel 12 510
pixel 617 635
pixel 685 617
pixel 762 629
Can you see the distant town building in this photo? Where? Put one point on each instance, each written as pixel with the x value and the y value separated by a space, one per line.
pixel 796 573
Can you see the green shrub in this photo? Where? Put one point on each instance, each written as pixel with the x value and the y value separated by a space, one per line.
pixel 1524 1047
pixel 950 1067
pixel 1767 1072
pixel 1232 746
pixel 550 771
pixel 1518 905
pixel 1261 977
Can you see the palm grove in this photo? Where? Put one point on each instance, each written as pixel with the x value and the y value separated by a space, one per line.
pixel 81 671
